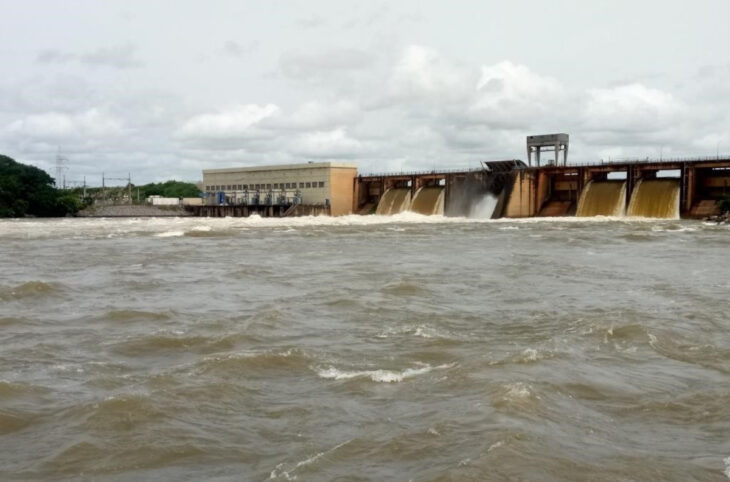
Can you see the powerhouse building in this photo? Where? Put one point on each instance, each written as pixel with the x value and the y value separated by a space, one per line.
pixel 313 183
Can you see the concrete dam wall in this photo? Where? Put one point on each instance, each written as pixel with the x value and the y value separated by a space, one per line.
pixel 689 188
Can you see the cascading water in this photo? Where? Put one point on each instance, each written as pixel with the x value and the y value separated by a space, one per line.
pixel 428 201
pixel 484 207
pixel 655 198
pixel 602 198
pixel 394 201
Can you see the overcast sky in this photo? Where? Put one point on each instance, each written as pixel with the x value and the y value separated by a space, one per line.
pixel 164 89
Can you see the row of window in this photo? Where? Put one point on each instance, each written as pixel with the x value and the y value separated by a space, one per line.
pixel 283 185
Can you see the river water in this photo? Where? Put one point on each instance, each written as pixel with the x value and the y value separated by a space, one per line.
pixel 364 348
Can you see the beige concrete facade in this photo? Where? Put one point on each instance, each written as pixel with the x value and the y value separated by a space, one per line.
pixel 315 183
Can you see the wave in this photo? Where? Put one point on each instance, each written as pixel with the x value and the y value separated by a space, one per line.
pixel 12 421
pixel 288 473
pixel 157 343
pixel 290 359
pixel 121 413
pixel 515 396
pixel 382 376
pixel 137 315
pixel 30 289
pixel 16 389
pixel 92 458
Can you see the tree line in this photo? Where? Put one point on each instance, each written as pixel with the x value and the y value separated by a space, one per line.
pixel 29 191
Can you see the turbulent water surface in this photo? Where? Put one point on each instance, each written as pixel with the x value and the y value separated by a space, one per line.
pixel 364 348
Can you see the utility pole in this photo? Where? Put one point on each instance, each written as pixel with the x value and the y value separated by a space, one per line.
pixel 103 190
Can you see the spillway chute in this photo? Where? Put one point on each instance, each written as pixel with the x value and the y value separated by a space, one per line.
pixel 655 198
pixel 394 201
pixel 602 198
pixel 428 201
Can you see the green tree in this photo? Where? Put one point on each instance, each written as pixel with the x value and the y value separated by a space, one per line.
pixel 28 191
pixel 169 189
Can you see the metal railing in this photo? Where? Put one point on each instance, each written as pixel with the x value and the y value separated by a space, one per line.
pixel 602 162
pixel 646 160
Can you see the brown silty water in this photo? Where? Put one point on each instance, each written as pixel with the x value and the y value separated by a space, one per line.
pixel 602 198
pixel 394 201
pixel 428 201
pixel 364 348
pixel 655 198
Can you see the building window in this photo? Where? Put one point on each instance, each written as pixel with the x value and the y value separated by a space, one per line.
pixel 309 184
pixel 321 183
pixel 268 186
pixel 301 185
pixel 276 185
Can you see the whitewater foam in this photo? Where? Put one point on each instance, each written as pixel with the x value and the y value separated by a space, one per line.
pixel 170 234
pixel 382 376
pixel 80 228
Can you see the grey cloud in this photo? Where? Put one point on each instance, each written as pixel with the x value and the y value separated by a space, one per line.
pixel 311 22
pixel 297 65
pixel 53 56
pixel 235 49
pixel 120 57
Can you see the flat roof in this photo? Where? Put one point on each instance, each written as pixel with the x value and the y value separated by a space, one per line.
pixel 282 167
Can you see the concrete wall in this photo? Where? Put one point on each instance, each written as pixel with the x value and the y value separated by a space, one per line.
pixel 522 196
pixel 342 181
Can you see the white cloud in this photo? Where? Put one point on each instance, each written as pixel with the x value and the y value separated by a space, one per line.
pixel 327 145
pixel 509 95
pixel 422 74
pixel 633 107
pixel 92 123
pixel 238 122
pixel 320 115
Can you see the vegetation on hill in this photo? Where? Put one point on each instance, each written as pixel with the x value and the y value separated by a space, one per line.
pixel 169 189
pixel 29 191
pixel 120 194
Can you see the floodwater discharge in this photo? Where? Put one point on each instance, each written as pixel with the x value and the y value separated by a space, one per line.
pixel 394 201
pixel 655 198
pixel 401 347
pixel 428 201
pixel 602 198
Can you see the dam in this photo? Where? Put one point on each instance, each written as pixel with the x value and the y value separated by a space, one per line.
pixel 676 188
pixel 664 188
